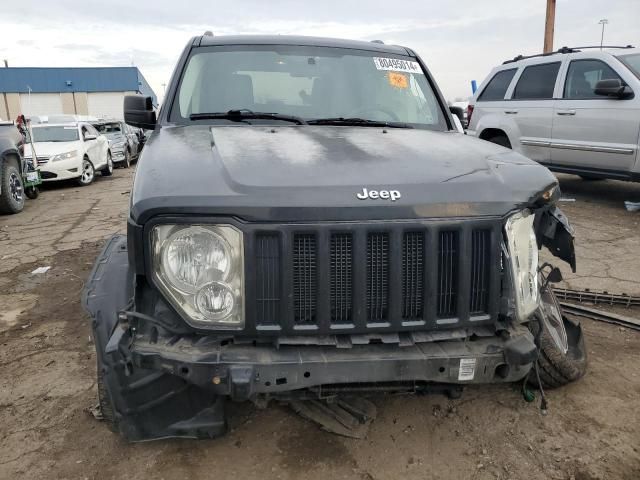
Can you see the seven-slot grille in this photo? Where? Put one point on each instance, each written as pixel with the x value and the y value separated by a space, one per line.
pixel 381 277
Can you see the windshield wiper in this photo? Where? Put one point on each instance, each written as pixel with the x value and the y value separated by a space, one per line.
pixel 245 114
pixel 357 122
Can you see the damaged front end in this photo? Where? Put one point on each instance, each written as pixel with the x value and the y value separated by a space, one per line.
pixel 159 377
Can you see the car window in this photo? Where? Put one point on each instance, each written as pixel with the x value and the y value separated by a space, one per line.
pixel 92 130
pixel 582 77
pixel 632 61
pixel 309 82
pixel 497 86
pixel 537 82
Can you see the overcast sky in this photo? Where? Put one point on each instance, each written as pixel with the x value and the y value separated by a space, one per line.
pixel 459 40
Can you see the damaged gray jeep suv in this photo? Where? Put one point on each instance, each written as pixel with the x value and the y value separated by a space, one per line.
pixel 306 221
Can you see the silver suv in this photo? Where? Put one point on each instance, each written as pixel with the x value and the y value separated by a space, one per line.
pixel 576 110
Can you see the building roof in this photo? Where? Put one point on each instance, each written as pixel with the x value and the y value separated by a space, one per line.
pixel 205 40
pixel 82 79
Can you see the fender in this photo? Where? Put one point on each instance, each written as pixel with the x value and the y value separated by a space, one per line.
pixel 554 232
pixel 500 122
pixel 8 147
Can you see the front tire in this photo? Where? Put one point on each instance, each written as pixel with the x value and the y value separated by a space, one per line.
pixel 107 171
pixel 106 407
pixel 589 178
pixel 501 140
pixel 562 355
pixel 11 187
pixel 32 192
pixel 88 173
pixel 127 158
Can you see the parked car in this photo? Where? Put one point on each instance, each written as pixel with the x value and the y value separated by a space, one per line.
pixel 308 221
pixel 71 151
pixel 123 141
pixel 464 105
pixel 575 111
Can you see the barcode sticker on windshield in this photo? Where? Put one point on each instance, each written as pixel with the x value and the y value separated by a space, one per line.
pixel 396 65
pixel 467 369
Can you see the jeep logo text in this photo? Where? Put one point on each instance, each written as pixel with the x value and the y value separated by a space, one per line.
pixel 393 195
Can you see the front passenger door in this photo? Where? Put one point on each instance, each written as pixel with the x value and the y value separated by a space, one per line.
pixel 593 133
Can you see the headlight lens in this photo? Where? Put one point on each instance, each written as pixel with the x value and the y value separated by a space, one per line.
pixel 523 249
pixel 201 270
pixel 64 156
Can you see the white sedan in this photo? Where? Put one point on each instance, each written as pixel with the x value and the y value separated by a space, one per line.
pixel 70 151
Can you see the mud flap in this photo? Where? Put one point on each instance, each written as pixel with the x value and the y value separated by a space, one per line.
pixel 554 232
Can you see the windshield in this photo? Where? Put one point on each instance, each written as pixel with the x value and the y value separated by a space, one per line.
pixel 632 61
pixel 109 129
pixel 306 82
pixel 55 134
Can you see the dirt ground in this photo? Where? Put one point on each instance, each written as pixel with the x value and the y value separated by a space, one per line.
pixel 47 376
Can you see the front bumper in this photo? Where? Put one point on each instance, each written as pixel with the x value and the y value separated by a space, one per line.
pixel 117 154
pixel 61 170
pixel 244 371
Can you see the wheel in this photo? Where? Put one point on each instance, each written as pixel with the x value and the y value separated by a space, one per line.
pixel 501 140
pixel 106 407
pixel 88 173
pixel 11 187
pixel 589 178
pixel 562 355
pixel 107 171
pixel 32 192
pixel 127 158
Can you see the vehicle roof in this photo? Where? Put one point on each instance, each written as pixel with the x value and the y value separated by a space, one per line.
pixel 566 52
pixel 207 40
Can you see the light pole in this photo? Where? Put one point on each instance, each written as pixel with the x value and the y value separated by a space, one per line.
pixel 602 22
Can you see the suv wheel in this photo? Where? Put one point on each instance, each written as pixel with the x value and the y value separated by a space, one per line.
pixel 107 171
pixel 500 140
pixel 562 355
pixel 589 178
pixel 106 407
pixel 11 187
pixel 127 158
pixel 88 173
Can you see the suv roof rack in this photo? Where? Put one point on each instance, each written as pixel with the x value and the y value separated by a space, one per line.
pixel 563 50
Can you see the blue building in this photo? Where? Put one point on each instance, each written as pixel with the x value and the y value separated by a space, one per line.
pixel 98 92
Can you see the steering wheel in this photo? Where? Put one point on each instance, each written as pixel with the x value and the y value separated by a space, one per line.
pixel 367 111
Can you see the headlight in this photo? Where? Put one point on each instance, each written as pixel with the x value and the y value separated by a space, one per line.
pixel 64 156
pixel 523 249
pixel 200 269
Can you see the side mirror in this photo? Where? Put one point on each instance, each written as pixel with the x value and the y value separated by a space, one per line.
pixel 458 112
pixel 138 112
pixel 613 88
pixel 89 136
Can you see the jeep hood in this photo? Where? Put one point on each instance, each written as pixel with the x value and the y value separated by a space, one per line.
pixel 309 173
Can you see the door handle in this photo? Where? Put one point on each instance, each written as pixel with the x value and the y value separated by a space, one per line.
pixel 566 112
pixel 511 112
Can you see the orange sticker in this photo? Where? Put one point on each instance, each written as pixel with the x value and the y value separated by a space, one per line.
pixel 398 80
